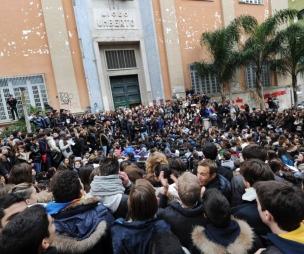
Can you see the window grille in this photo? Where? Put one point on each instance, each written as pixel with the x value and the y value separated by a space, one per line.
pixel 207 84
pixel 251 75
pixel 120 59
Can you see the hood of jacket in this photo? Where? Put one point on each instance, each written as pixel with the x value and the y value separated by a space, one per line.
pixel 80 219
pixel 242 243
pixel 67 244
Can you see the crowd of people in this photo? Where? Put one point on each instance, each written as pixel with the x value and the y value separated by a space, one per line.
pixel 187 176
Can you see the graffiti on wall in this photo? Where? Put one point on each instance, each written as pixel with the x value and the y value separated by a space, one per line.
pixel 65 98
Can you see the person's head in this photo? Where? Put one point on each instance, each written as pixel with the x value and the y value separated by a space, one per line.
pixel 21 173
pixel 66 186
pixel 280 205
pixel 255 170
pixel 210 151
pixel 108 166
pixel 28 191
pixel 84 175
pixel 10 205
pixel 254 151
pixel 189 189
pixel 77 164
pixel 153 160
pixel 206 171
pixel 142 202
pixel 66 161
pixel 217 208
pixel 134 172
pixel 30 231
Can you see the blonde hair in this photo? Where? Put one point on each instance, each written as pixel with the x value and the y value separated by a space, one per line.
pixel 154 160
pixel 188 188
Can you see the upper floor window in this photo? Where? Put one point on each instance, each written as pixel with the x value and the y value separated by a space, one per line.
pixel 207 84
pixel 252 1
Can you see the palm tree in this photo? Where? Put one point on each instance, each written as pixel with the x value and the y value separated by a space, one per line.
pixel 291 53
pixel 261 45
pixel 225 57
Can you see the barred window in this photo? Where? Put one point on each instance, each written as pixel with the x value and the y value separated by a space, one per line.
pixel 251 75
pixel 120 59
pixel 206 84
pixel 34 92
pixel 252 1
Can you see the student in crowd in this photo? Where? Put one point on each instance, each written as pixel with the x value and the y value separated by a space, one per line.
pixel 253 170
pixel 281 208
pixel 210 178
pixel 134 236
pixel 108 186
pixel 82 224
pixel 31 231
pixel 222 234
pixel 183 215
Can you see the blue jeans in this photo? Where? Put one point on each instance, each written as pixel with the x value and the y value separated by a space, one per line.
pixel 37 167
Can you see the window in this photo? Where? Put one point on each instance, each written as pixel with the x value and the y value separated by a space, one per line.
pixel 206 84
pixel 251 75
pixel 251 1
pixel 34 92
pixel 120 59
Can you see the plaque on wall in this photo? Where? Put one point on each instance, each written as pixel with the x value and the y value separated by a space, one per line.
pixel 115 19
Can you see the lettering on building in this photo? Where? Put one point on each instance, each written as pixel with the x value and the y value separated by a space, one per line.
pixel 114 19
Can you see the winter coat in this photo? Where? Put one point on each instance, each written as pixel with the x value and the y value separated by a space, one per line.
pixel 83 227
pixel 248 211
pixel 283 246
pixel 134 237
pixel 222 184
pixel 237 238
pixel 182 221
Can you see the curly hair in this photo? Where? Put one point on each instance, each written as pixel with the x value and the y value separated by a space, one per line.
pixel 65 186
pixel 154 160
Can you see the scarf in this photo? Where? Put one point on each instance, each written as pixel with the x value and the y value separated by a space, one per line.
pixel 109 189
pixel 106 186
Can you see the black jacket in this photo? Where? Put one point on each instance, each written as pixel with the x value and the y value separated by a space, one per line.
pixel 248 211
pixel 222 184
pixel 182 221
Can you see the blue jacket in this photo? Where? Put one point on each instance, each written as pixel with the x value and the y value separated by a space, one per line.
pixel 83 226
pixel 134 237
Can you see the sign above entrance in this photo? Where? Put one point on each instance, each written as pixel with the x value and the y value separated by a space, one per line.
pixel 115 19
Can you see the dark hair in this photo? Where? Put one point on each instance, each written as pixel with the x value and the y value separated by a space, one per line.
pixel 65 186
pixel 109 166
pixel 10 199
pixel 210 151
pixel 254 152
pixel 25 232
pixel 210 164
pixel 84 175
pixel 178 165
pixel 163 167
pixel 255 170
pixel 142 202
pixel 283 201
pixel 217 208
pixel 21 173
